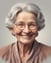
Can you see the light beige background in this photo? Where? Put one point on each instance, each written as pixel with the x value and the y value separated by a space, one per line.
pixel 44 35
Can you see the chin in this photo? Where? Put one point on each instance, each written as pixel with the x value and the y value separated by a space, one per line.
pixel 26 41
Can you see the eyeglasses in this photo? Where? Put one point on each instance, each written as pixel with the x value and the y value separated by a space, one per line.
pixel 22 26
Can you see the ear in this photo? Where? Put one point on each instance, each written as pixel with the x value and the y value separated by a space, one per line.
pixel 12 31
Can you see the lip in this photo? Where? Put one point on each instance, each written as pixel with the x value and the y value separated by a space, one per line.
pixel 26 36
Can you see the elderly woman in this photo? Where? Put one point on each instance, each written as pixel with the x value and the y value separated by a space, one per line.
pixel 24 21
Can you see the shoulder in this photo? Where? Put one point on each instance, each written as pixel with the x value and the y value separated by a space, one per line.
pixel 46 50
pixel 5 51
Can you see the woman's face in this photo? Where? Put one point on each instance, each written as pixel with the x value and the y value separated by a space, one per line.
pixel 25 28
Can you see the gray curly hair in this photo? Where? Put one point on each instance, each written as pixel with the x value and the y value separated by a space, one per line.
pixel 30 7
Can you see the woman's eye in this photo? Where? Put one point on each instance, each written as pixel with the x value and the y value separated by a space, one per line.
pixel 32 25
pixel 20 24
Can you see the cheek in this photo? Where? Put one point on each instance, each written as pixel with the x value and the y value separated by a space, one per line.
pixel 17 31
pixel 35 31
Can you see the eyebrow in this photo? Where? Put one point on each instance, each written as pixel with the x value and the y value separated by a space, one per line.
pixel 27 23
pixel 19 22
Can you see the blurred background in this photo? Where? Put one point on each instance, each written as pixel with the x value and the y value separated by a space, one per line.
pixel 44 35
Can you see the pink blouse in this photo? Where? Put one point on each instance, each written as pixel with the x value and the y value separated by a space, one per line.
pixel 38 53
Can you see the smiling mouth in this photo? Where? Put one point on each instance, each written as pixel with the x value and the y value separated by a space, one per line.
pixel 26 36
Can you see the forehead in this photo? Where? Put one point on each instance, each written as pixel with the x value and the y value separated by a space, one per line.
pixel 25 17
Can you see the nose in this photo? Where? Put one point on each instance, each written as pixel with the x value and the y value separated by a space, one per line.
pixel 26 29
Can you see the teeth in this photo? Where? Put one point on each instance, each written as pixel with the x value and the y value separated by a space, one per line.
pixel 27 35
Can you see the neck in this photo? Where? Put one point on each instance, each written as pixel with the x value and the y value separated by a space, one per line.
pixel 24 49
